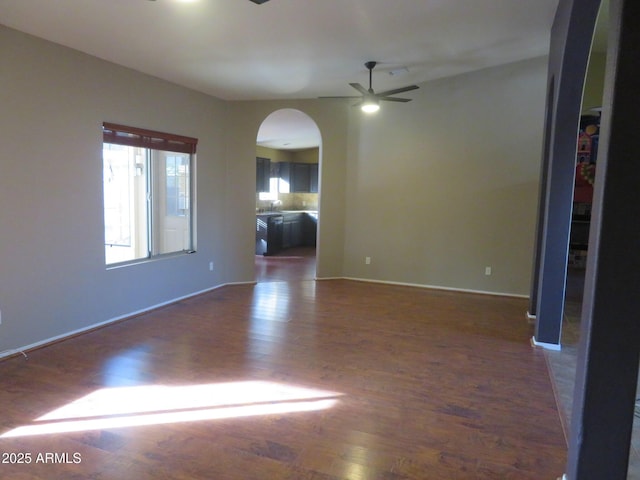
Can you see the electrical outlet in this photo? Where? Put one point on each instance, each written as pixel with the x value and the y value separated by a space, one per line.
pixel 487 270
pixel 0 317
pixel 211 266
pixel 367 260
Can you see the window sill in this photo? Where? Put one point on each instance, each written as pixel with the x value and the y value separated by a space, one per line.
pixel 155 258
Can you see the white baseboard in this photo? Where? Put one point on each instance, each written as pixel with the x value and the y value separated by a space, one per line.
pixel 546 346
pixel 531 319
pixel 438 287
pixel 42 343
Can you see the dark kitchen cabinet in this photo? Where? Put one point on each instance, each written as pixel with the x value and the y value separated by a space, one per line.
pixel 301 177
pixel 299 229
pixel 313 184
pixel 292 230
pixel 309 229
pixel 263 174
pixel 284 175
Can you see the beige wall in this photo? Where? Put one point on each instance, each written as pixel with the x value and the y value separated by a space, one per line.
pixel 274 155
pixel 444 186
pixel 53 278
pixel 433 190
pixel 309 155
pixel 594 82
pixel 437 189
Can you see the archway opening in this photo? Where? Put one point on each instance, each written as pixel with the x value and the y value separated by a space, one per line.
pixel 288 161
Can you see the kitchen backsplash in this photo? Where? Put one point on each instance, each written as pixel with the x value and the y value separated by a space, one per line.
pixel 290 201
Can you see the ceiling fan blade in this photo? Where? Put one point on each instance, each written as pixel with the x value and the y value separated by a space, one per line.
pixel 394 99
pixel 397 90
pixel 360 88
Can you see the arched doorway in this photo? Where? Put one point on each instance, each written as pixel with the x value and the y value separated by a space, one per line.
pixel 288 158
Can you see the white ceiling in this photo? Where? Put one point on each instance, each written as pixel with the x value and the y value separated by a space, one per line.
pixel 289 129
pixel 237 50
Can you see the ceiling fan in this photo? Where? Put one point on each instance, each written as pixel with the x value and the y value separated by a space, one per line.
pixel 370 100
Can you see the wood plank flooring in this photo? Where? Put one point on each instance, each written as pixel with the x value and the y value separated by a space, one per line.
pixel 299 380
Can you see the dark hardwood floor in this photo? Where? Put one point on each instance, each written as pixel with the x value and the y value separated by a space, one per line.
pixel 297 380
pixel 290 265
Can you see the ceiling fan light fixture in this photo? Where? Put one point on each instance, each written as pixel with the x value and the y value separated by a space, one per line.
pixel 370 100
pixel 370 105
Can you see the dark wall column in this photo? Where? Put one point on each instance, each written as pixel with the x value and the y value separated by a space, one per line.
pixel 569 55
pixel 542 198
pixel 607 373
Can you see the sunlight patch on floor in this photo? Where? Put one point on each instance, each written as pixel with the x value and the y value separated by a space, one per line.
pixel 160 404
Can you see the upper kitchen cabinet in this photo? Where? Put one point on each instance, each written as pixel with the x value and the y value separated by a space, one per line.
pixel 301 177
pixel 313 180
pixel 263 174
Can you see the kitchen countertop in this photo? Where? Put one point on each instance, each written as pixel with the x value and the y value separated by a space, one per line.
pixel 282 212
pixel 267 214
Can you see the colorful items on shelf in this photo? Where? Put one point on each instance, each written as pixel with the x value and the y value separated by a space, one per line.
pixel 586 158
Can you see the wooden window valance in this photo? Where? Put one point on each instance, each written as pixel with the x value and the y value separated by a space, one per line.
pixel 140 137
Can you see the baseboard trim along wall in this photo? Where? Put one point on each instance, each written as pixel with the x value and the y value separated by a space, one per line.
pixel 433 287
pixel 531 319
pixel 95 326
pixel 547 346
pixel 64 336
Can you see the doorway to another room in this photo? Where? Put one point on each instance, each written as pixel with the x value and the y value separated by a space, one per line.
pixel 287 196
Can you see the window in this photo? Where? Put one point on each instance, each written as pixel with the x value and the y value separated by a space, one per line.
pixel 147 185
pixel 272 194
